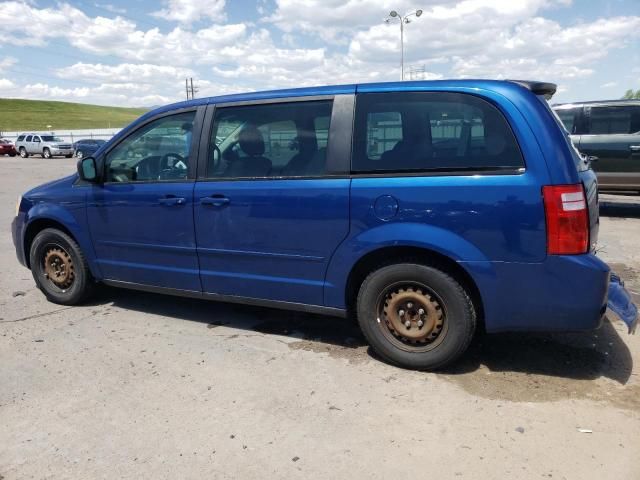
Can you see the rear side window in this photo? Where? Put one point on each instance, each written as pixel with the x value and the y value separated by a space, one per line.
pixel 613 120
pixel 270 140
pixel 28 138
pixel 20 138
pixel 417 131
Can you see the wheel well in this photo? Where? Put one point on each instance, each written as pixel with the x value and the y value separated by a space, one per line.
pixel 390 255
pixel 36 227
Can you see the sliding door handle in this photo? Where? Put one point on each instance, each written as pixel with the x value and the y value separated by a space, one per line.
pixel 215 201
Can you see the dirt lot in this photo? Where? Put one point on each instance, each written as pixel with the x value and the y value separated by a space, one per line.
pixel 138 385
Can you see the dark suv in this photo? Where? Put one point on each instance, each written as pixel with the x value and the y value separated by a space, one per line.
pixel 425 209
pixel 608 132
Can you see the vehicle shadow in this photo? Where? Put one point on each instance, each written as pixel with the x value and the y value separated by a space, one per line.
pixel 320 328
pixel 578 356
pixel 622 206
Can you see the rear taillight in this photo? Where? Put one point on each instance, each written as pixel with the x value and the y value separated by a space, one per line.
pixel 567 219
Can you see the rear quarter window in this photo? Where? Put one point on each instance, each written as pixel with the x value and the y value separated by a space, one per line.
pixel 578 159
pixel 423 131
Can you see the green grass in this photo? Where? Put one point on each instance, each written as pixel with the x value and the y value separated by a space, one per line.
pixel 18 115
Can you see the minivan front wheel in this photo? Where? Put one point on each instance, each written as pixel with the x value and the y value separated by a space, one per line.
pixel 59 268
pixel 415 316
pixel 46 153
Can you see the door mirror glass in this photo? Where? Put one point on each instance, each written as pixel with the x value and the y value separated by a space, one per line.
pixel 87 169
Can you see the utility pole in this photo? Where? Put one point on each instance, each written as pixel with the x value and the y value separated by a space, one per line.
pixel 403 19
pixel 193 90
pixel 190 89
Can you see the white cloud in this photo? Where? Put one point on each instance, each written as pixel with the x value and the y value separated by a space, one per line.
pixel 7 62
pixel 609 85
pixel 125 72
pixel 337 20
pixel 5 83
pixel 111 8
pixel 534 47
pixel 189 11
pixel 350 43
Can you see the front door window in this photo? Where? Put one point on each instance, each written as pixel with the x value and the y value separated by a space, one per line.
pixel 157 152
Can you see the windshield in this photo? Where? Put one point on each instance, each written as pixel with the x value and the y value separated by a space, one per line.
pixel 51 138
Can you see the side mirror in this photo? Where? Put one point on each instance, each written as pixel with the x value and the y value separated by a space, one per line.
pixel 87 169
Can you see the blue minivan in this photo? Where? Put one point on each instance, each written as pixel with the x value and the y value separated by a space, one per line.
pixel 427 210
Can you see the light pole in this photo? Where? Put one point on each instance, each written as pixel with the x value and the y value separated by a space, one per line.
pixel 403 19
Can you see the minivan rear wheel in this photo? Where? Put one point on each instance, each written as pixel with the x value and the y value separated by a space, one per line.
pixel 59 268
pixel 23 152
pixel 415 316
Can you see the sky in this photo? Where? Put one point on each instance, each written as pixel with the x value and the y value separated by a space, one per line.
pixel 138 52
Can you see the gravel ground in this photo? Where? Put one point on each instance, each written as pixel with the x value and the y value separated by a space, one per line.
pixel 137 385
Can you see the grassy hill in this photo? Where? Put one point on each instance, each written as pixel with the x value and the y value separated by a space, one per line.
pixel 18 115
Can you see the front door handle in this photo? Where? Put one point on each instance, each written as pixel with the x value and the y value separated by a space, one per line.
pixel 634 148
pixel 172 200
pixel 215 201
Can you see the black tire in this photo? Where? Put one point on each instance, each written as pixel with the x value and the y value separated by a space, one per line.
pixel 448 318
pixel 12 154
pixel 46 153
pixel 23 152
pixel 55 245
pixel 79 154
pixel 69 156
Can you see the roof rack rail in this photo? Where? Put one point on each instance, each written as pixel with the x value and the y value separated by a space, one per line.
pixel 539 88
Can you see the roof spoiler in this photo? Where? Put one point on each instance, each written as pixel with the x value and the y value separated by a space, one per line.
pixel 539 88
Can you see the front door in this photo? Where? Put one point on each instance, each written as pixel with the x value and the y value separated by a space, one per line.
pixel 34 146
pixel 273 207
pixel 141 218
pixel 613 140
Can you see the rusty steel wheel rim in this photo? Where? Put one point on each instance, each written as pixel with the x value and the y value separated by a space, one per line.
pixel 412 317
pixel 58 267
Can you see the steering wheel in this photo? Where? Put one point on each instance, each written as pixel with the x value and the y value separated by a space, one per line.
pixel 167 171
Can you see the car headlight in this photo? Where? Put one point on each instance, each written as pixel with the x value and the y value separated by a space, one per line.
pixel 18 204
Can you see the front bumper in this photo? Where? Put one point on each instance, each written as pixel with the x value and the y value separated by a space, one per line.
pixel 17 237
pixel 61 151
pixel 619 301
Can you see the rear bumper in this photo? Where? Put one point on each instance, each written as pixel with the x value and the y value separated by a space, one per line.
pixel 619 301
pixel 563 293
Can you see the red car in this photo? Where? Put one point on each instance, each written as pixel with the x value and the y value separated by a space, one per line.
pixel 7 148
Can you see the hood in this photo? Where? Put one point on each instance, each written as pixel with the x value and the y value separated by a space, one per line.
pixel 45 188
